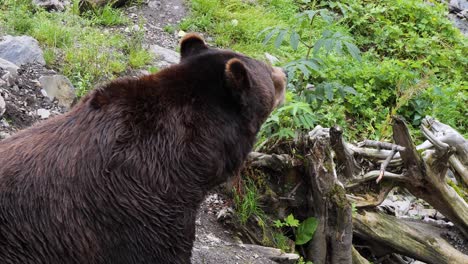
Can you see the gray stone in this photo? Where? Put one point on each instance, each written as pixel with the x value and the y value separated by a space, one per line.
pixel 458 4
pixel 49 5
pixel 164 57
pixel 9 78
pixel 4 135
pixel 21 50
pixel 2 106
pixel 273 253
pixel 43 113
pixel 60 88
pixel 8 66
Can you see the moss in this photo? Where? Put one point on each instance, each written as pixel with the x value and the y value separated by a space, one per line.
pixel 338 196
pixel 462 192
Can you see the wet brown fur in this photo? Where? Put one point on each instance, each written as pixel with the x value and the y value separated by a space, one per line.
pixel 119 178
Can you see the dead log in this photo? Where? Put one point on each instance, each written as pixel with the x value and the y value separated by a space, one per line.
pixel 442 136
pixel 358 259
pixel 426 178
pixel 336 172
pixel 332 241
pixel 416 240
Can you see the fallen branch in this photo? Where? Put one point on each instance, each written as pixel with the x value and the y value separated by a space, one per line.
pixel 416 240
pixel 358 259
pixel 372 175
pixel 380 145
pixel 386 162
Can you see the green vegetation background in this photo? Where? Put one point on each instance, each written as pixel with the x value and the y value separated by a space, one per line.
pixel 369 59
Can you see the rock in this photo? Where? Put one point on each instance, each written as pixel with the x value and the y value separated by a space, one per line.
pixel 50 5
pixel 272 59
pixel 273 253
pixel 234 254
pixel 225 213
pixel 458 5
pixel 21 50
pixel 4 135
pixel 8 66
pixel 154 4
pixel 43 113
pixel 2 106
pixel 164 57
pixel 92 4
pixel 60 88
pixel 459 14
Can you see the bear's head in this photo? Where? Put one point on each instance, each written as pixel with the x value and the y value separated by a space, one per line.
pixel 257 86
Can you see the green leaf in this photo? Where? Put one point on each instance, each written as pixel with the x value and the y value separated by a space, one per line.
pixel 291 221
pixel 350 90
pixel 328 91
pixel 280 38
pixel 311 64
pixel 353 50
pixel 324 14
pixel 318 45
pixel 306 230
pixel 309 13
pixel 294 39
pixel 270 35
pixel 278 223
pixel 328 44
pixel 304 70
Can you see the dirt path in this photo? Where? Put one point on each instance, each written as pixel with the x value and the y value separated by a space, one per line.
pixel 156 15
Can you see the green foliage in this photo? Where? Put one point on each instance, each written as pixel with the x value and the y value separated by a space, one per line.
pixel 169 29
pixel 281 241
pixel 461 191
pixel 74 45
pixel 412 39
pixel 247 202
pixel 236 23
pixel 413 73
pixel 106 16
pixel 302 261
pixel 284 121
pixel 304 231
pixel 289 221
pixel 139 58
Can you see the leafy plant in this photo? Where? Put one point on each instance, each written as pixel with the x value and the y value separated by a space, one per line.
pixel 247 202
pixel 304 231
pixel 106 16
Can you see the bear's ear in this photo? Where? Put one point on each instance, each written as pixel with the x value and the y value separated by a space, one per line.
pixel 191 44
pixel 237 73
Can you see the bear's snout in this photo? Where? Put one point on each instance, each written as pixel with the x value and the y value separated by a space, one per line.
pixel 280 80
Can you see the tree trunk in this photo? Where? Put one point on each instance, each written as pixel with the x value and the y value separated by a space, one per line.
pixel 332 241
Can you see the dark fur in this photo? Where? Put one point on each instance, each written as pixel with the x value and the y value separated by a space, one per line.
pixel 120 177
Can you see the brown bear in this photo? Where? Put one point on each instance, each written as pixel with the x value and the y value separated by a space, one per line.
pixel 119 178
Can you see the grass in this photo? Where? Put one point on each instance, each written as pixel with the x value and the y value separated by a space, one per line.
pixel 235 24
pixel 77 45
pixel 247 202
pixel 107 16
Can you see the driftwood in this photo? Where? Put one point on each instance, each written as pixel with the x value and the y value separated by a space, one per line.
pixel 417 240
pixel 337 173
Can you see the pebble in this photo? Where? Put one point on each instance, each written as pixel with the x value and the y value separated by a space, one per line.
pixel 43 113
